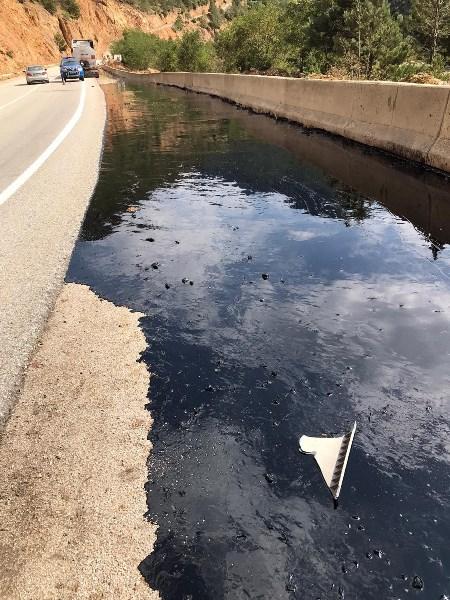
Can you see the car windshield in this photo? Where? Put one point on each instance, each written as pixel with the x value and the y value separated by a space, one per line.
pixel 70 63
pixel 35 68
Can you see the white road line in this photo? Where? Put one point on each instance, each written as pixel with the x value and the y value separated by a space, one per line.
pixel 31 170
pixel 16 99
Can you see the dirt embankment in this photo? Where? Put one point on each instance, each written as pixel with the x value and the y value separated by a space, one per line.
pixel 27 30
pixel 73 460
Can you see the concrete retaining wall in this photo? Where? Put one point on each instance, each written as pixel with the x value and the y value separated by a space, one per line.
pixel 412 121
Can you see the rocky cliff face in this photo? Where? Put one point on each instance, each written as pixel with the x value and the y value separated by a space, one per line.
pixel 27 30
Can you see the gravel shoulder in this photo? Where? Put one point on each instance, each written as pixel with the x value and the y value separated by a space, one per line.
pixel 73 460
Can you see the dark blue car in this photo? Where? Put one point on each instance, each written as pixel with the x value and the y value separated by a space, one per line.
pixel 70 68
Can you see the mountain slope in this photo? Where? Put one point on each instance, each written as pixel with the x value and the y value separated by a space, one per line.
pixel 27 30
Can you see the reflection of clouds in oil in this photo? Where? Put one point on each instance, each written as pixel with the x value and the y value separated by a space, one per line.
pixel 395 336
pixel 260 557
pixel 347 319
pixel 399 238
pixel 378 308
pixel 302 235
pixel 395 329
pixel 398 334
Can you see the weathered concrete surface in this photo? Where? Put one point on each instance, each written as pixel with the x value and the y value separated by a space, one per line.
pixel 439 154
pixel 73 460
pixel 40 222
pixel 425 201
pixel 410 120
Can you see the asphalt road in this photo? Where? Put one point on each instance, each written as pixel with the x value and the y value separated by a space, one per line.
pixel 50 147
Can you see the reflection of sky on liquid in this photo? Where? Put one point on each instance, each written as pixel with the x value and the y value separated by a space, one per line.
pixel 355 319
pixel 376 274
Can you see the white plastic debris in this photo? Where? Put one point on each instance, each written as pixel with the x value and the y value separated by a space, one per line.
pixel 331 454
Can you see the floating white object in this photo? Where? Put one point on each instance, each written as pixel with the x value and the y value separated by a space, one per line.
pixel 331 455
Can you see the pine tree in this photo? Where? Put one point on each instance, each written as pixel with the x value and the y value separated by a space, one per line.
pixel 431 23
pixel 252 40
pixel 372 38
pixel 214 15
pixel 325 23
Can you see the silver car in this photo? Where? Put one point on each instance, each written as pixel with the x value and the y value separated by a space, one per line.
pixel 36 73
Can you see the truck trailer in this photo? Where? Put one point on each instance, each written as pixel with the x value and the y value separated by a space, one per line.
pixel 83 51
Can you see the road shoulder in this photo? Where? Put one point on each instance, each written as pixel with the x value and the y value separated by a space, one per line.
pixel 73 458
pixel 39 227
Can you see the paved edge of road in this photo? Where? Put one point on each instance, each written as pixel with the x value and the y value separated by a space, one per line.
pixel 21 180
pixel 42 188
pixel 73 459
pixel 6 76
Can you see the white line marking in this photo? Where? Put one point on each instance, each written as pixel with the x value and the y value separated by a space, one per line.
pixel 31 170
pixel 16 99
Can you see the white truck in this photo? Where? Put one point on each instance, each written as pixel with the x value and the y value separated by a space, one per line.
pixel 83 51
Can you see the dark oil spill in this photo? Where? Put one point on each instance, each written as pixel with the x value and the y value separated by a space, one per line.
pixel 196 201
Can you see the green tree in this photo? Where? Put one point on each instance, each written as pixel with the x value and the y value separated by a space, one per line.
pixel 49 5
pixel 215 18
pixel 60 41
pixel 326 21
pixel 372 40
pixel 232 11
pixel 139 50
pixel 194 54
pixel 431 25
pixel 362 38
pixel 298 51
pixel 178 24
pixel 71 7
pixel 400 7
pixel 167 59
pixel 253 40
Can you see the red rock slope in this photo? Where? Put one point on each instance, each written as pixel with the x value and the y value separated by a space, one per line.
pixel 27 30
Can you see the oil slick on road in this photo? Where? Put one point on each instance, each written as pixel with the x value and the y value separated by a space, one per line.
pixel 351 322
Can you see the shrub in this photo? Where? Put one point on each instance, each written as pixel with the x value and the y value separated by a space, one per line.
pixel 372 37
pixel 252 41
pixel 60 41
pixel 232 11
pixel 49 5
pixel 139 50
pixel 214 15
pixel 163 7
pixel 178 25
pixel 194 54
pixel 409 71
pixel 71 7
pixel 167 59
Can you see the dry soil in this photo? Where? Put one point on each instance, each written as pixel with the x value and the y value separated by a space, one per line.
pixel 73 460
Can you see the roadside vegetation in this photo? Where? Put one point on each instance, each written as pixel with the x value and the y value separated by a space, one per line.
pixel 142 51
pixel 165 6
pixel 60 42
pixel 405 40
pixel 70 8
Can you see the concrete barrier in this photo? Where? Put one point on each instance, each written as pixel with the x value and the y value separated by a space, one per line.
pixel 410 120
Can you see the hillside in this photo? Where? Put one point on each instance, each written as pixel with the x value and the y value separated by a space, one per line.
pixel 27 30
